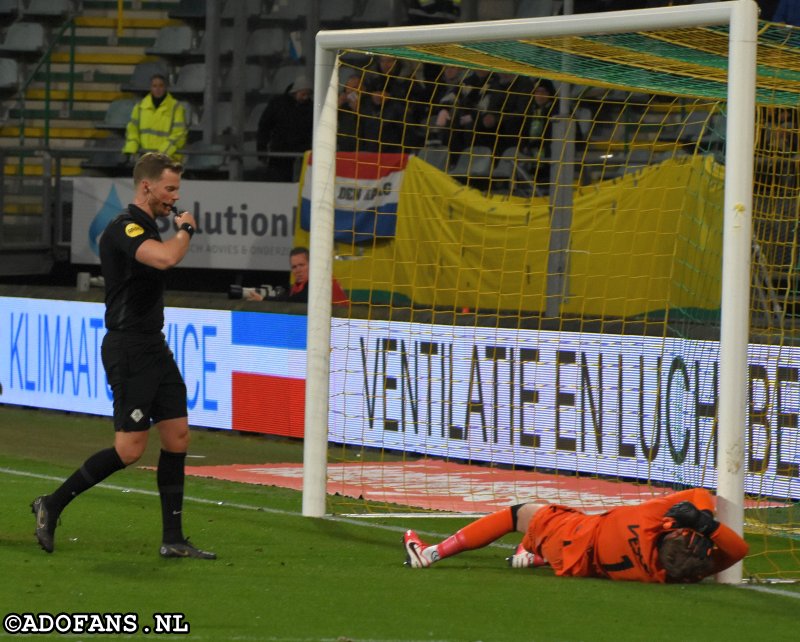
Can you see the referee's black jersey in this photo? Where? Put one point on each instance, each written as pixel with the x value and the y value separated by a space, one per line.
pixel 134 291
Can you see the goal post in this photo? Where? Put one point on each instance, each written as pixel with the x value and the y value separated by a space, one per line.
pixel 740 16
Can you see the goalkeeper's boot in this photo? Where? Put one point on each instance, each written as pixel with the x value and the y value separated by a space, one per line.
pixel 415 557
pixel 45 524
pixel 523 558
pixel 185 549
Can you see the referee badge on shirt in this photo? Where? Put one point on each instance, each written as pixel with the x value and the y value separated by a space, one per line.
pixel 133 230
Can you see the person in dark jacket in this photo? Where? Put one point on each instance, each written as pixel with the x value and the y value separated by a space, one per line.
pixel 286 125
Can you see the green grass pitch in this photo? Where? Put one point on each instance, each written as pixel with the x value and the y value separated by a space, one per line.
pixel 284 577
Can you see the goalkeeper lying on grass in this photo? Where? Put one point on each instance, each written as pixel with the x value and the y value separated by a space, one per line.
pixel 674 538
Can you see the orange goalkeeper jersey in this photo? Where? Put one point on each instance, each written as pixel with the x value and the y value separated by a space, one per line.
pixel 621 543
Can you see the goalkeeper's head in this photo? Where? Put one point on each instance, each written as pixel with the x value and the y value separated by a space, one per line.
pixel 685 555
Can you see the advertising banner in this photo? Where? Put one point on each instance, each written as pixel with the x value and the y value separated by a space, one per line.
pixel 615 405
pixel 240 225
pixel 243 370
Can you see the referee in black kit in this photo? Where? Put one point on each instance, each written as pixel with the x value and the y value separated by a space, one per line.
pixel 141 370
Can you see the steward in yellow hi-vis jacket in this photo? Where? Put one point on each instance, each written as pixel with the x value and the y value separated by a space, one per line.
pixel 158 123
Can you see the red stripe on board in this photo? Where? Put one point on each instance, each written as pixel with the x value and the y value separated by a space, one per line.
pixel 268 404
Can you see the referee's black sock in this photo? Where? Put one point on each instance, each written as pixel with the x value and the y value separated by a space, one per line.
pixel 94 470
pixel 170 476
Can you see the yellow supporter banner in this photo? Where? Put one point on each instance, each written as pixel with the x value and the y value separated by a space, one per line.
pixel 455 248
pixel 647 242
pixel 650 241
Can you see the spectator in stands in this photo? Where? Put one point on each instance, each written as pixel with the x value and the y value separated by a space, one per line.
pixel 472 99
pixel 537 131
pixel 788 12
pixel 442 100
pixel 510 99
pixel 298 292
pixel 286 126
pixel 157 124
pixel 384 107
pixel 348 114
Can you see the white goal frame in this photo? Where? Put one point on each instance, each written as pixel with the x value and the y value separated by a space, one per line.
pixel 742 18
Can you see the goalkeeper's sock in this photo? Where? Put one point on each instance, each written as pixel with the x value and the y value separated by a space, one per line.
pixel 475 535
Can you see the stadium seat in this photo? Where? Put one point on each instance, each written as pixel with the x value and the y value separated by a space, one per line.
pixel 191 79
pixel 284 76
pixel 118 114
pixel 226 43
pixel 253 168
pixel 224 119
pixel 9 76
pixel 251 124
pixel 253 9
pixel 24 39
pixel 290 10
pixel 107 156
pixel 336 12
pixel 9 10
pixel 538 8
pixel 473 163
pixel 376 13
pixel 47 10
pixel 252 80
pixel 172 41
pixel 437 156
pixel 142 73
pixel 269 42
pixel 204 160
pixel 189 11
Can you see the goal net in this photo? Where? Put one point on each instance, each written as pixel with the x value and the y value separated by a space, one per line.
pixel 543 228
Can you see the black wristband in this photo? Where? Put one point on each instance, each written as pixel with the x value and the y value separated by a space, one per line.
pixel 187 227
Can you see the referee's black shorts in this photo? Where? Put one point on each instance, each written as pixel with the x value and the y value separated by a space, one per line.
pixel 144 378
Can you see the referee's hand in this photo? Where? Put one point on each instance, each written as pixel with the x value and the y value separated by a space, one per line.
pixel 185 217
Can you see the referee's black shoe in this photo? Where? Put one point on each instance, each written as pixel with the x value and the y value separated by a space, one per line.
pixel 185 549
pixel 44 530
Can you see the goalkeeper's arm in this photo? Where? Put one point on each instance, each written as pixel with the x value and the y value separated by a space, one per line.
pixel 729 548
pixel 694 510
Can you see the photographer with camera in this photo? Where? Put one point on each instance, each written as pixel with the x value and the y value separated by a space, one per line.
pixel 298 292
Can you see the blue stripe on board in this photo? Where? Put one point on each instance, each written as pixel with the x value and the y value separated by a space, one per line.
pixel 269 330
